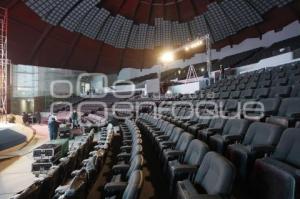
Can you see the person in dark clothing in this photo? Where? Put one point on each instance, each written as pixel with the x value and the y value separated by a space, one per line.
pixel 74 119
pixel 222 71
pixel 53 128
pixel 25 118
pixel 38 117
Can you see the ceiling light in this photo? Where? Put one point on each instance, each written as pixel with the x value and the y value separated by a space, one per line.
pixel 167 57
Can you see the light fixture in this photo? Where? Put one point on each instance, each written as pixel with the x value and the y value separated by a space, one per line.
pixel 202 69
pixel 167 57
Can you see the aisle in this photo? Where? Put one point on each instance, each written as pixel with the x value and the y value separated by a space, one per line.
pixel 155 185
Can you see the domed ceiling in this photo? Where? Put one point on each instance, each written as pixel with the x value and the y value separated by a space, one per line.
pixel 108 35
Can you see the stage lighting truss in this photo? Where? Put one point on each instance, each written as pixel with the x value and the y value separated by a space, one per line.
pixel 4 62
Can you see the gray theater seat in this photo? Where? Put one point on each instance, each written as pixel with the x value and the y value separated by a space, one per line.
pixel 278 176
pixel 178 170
pixel 214 179
pixel 234 131
pixel 215 126
pixel 260 139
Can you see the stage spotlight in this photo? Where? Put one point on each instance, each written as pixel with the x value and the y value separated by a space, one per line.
pixel 167 57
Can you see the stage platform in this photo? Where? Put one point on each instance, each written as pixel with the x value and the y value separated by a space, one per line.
pixel 15 166
pixel 14 137
pixel 10 138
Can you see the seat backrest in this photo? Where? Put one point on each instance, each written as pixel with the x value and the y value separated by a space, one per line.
pixel 136 164
pixel 217 123
pixel 175 134
pixel 134 186
pixel 236 127
pixel 235 94
pixel 204 121
pixel 262 134
pixel 270 105
pixel 184 141
pixel 288 147
pixel 296 91
pixel 264 84
pixel 164 125
pixel 138 149
pixel 195 152
pixel 225 95
pixel 280 91
pixel 247 94
pixel 261 93
pixel 216 174
pixel 289 106
pixel 169 129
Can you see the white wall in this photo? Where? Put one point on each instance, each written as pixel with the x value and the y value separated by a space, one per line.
pixel 152 86
pixel 188 88
pixel 268 39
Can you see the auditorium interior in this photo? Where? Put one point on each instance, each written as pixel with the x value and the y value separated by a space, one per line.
pixel 149 99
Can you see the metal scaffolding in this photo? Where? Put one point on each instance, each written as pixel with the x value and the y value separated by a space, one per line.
pixel 4 62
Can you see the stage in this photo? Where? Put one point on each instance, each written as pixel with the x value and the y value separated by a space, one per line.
pixel 16 157
pixel 15 163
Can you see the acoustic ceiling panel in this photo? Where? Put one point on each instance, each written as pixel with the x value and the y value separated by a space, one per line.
pixel 60 11
pixel 166 33
pixel 105 27
pixel 42 7
pixel 220 26
pixel 198 27
pixel 262 6
pixel 240 13
pixel 77 14
pixel 176 33
pixel 87 20
pixel 115 29
pixel 96 24
pixel 132 43
pixel 281 3
pixel 158 31
pixel 150 39
pixel 124 34
pixel 142 36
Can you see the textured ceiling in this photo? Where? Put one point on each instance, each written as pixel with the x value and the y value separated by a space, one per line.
pixel 107 35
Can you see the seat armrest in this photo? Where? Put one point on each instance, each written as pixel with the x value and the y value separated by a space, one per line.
pixel 162 137
pixel 120 168
pixel 184 169
pixel 123 156
pixel 233 138
pixel 267 149
pixel 126 148
pixel 173 154
pixel 214 130
pixel 202 126
pixel 168 144
pixel 295 115
pixel 114 188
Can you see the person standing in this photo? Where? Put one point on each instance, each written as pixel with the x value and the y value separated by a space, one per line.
pixel 222 71
pixel 53 129
pixel 74 119
pixel 38 117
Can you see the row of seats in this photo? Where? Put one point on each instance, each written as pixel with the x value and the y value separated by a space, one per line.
pixel 285 112
pixel 59 174
pixel 244 143
pixel 127 175
pixel 187 162
pixel 85 177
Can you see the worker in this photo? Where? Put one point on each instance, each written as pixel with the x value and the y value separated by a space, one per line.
pixel 74 119
pixel 53 129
